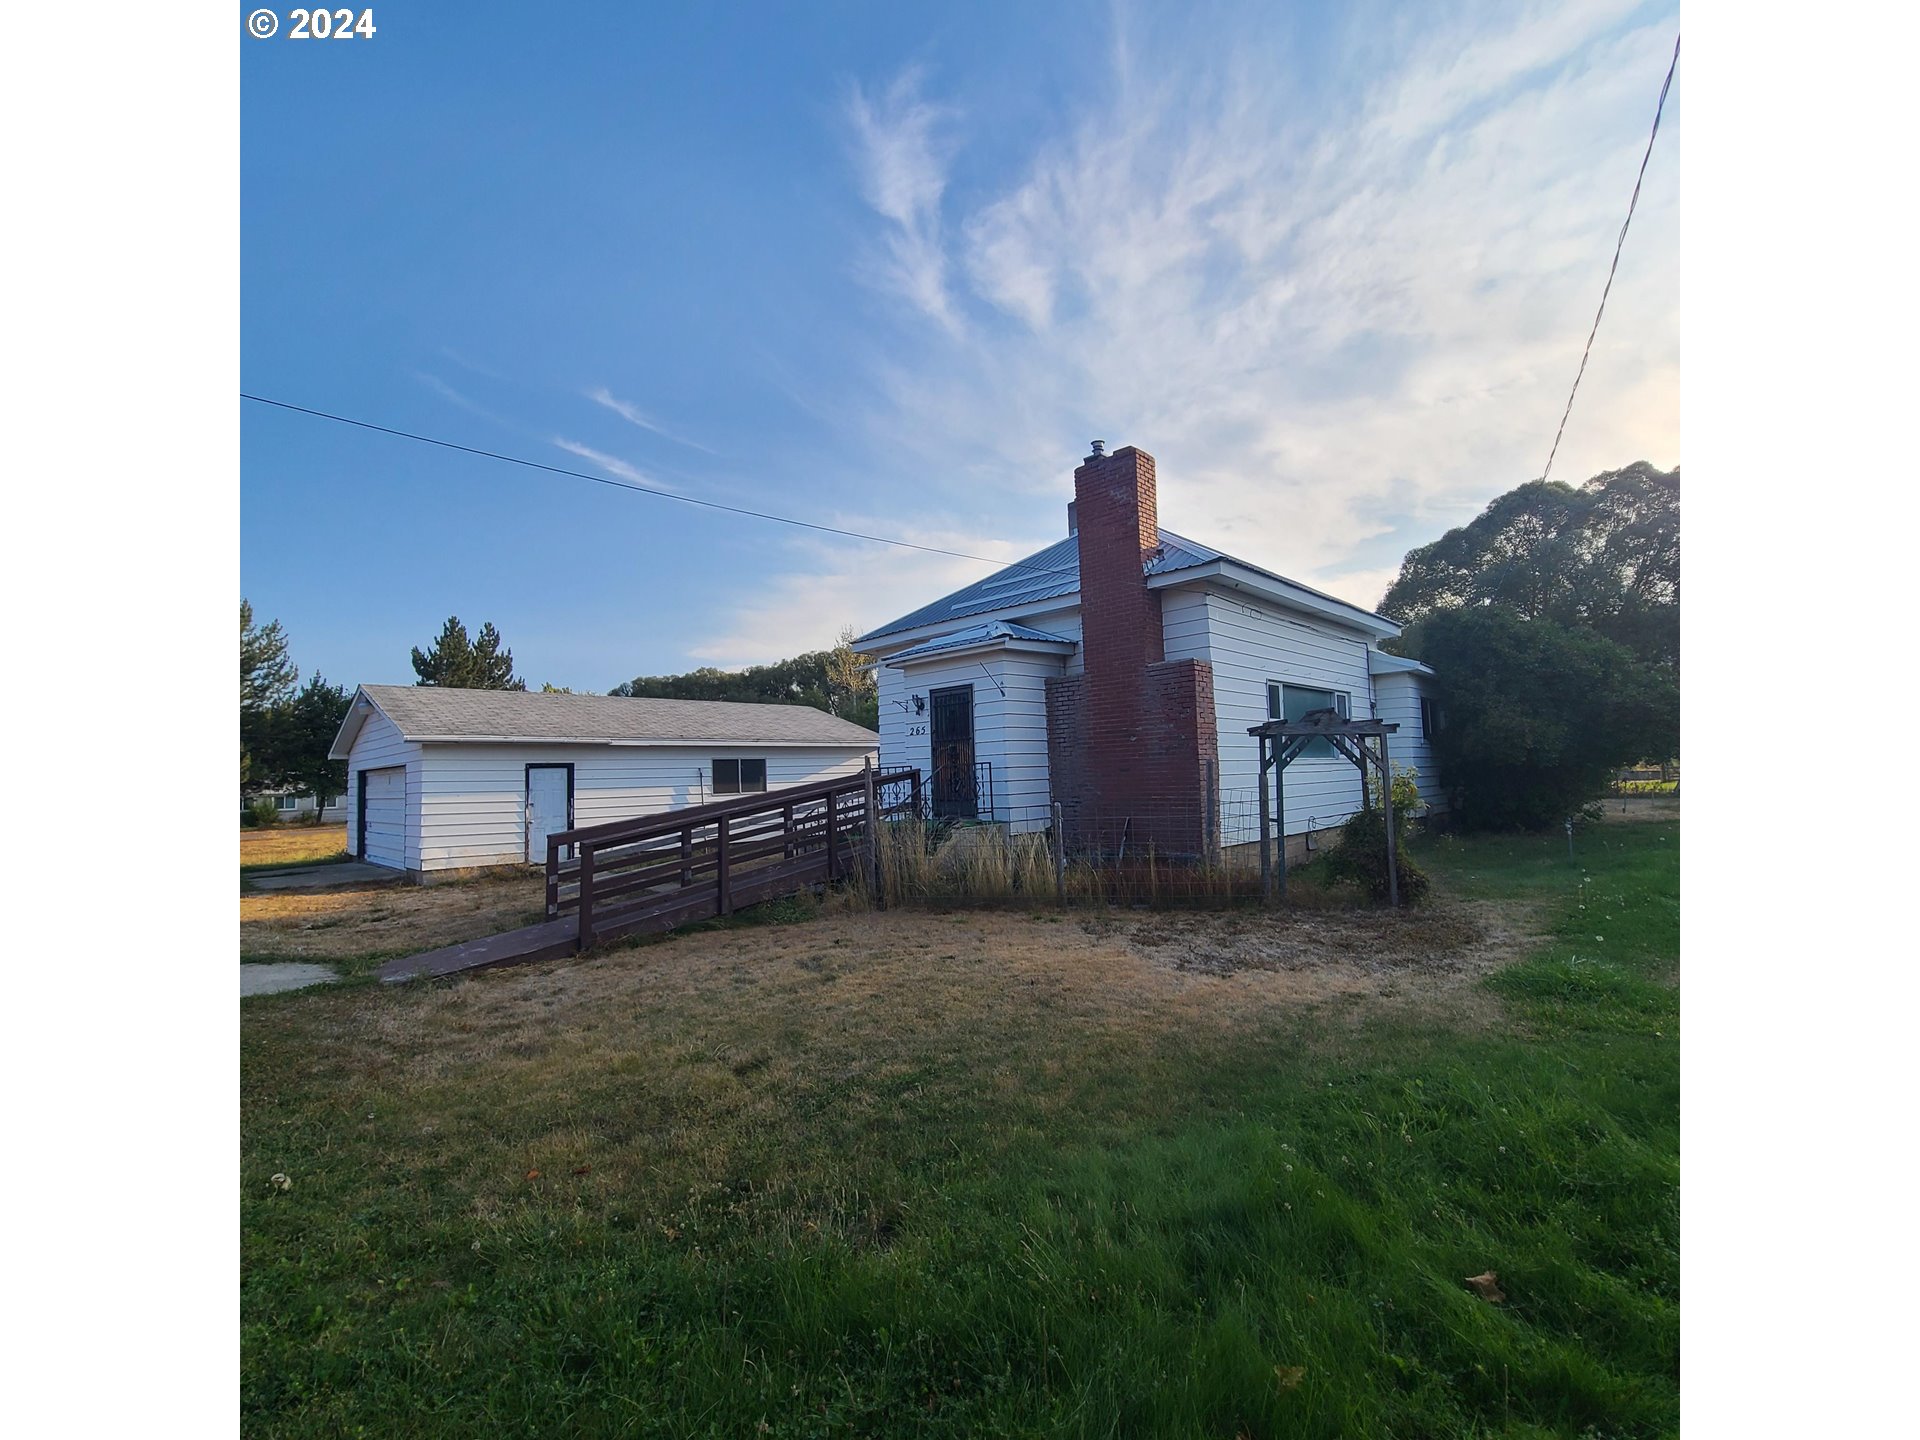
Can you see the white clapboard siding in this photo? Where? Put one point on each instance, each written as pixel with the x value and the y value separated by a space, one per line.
pixel 473 801
pixel 1249 643
pixel 1009 723
pixel 1397 700
pixel 379 745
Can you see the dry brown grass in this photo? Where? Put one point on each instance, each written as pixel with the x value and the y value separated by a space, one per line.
pixel 292 844
pixel 984 865
pixel 386 920
pixel 845 995
pixel 687 1055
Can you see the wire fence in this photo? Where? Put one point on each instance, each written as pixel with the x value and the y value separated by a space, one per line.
pixel 925 862
pixel 1156 854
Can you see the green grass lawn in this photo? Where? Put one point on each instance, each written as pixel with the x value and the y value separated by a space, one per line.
pixel 825 1202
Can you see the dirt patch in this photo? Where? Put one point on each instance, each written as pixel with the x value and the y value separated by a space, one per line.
pixel 1449 940
pixel 1424 962
pixel 386 920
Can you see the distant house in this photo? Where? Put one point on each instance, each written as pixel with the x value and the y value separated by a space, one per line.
pixel 441 779
pixel 1118 672
pixel 297 807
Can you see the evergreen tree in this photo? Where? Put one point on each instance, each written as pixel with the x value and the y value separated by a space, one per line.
pixel 304 729
pixel 267 677
pixel 462 664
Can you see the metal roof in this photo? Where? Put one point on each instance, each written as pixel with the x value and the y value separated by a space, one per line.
pixel 1054 572
pixel 991 633
pixel 1379 662
pixel 436 713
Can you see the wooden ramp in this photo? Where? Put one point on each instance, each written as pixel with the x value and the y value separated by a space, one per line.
pixel 548 940
pixel 657 873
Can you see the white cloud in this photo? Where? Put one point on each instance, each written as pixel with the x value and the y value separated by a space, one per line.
pixel 833 583
pixel 612 464
pixel 902 165
pixel 448 393
pixel 1341 323
pixel 634 415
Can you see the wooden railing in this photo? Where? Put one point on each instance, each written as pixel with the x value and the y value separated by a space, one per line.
pixel 660 871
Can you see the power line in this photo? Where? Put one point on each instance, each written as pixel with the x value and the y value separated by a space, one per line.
pixel 642 489
pixel 1617 247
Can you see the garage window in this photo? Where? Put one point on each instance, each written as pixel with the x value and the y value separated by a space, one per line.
pixel 739 777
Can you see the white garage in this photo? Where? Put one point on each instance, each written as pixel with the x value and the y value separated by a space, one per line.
pixel 443 780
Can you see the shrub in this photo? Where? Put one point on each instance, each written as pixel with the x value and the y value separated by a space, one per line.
pixel 1407 804
pixel 1537 719
pixel 260 812
pixel 1360 860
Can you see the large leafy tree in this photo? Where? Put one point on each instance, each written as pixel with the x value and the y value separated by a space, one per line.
pixel 458 663
pixel 851 690
pixel 1604 557
pixel 1537 717
pixel 267 678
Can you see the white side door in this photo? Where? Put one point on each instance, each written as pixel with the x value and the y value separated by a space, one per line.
pixel 549 807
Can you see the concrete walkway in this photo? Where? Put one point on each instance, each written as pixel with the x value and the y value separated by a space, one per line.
pixel 322 877
pixel 271 979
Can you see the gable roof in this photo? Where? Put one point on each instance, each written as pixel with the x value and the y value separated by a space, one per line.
pixel 1054 573
pixel 432 713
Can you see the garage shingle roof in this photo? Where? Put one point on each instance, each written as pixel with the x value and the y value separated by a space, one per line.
pixel 430 712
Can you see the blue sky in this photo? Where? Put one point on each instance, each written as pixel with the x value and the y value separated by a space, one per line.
pixel 891 267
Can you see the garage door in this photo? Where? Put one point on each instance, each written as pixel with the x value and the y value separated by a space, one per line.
pixel 383 829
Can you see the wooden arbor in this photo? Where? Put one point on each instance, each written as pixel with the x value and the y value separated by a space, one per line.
pixel 1281 742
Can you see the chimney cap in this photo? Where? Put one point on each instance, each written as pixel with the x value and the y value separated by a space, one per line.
pixel 1099 449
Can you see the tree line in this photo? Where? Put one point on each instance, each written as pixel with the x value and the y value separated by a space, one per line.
pixel 285 732
pixel 1551 620
pixel 286 729
pixel 833 680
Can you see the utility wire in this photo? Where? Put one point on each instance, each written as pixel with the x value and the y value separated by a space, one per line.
pixel 1617 247
pixel 642 489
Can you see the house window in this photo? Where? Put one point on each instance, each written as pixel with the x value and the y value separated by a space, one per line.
pixel 1429 718
pixel 286 802
pixel 1296 702
pixel 739 777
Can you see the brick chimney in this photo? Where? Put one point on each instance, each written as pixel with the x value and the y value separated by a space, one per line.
pixel 1131 742
pixel 1118 513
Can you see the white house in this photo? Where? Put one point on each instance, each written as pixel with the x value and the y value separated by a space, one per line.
pixel 289 806
pixel 1119 670
pixel 441 779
